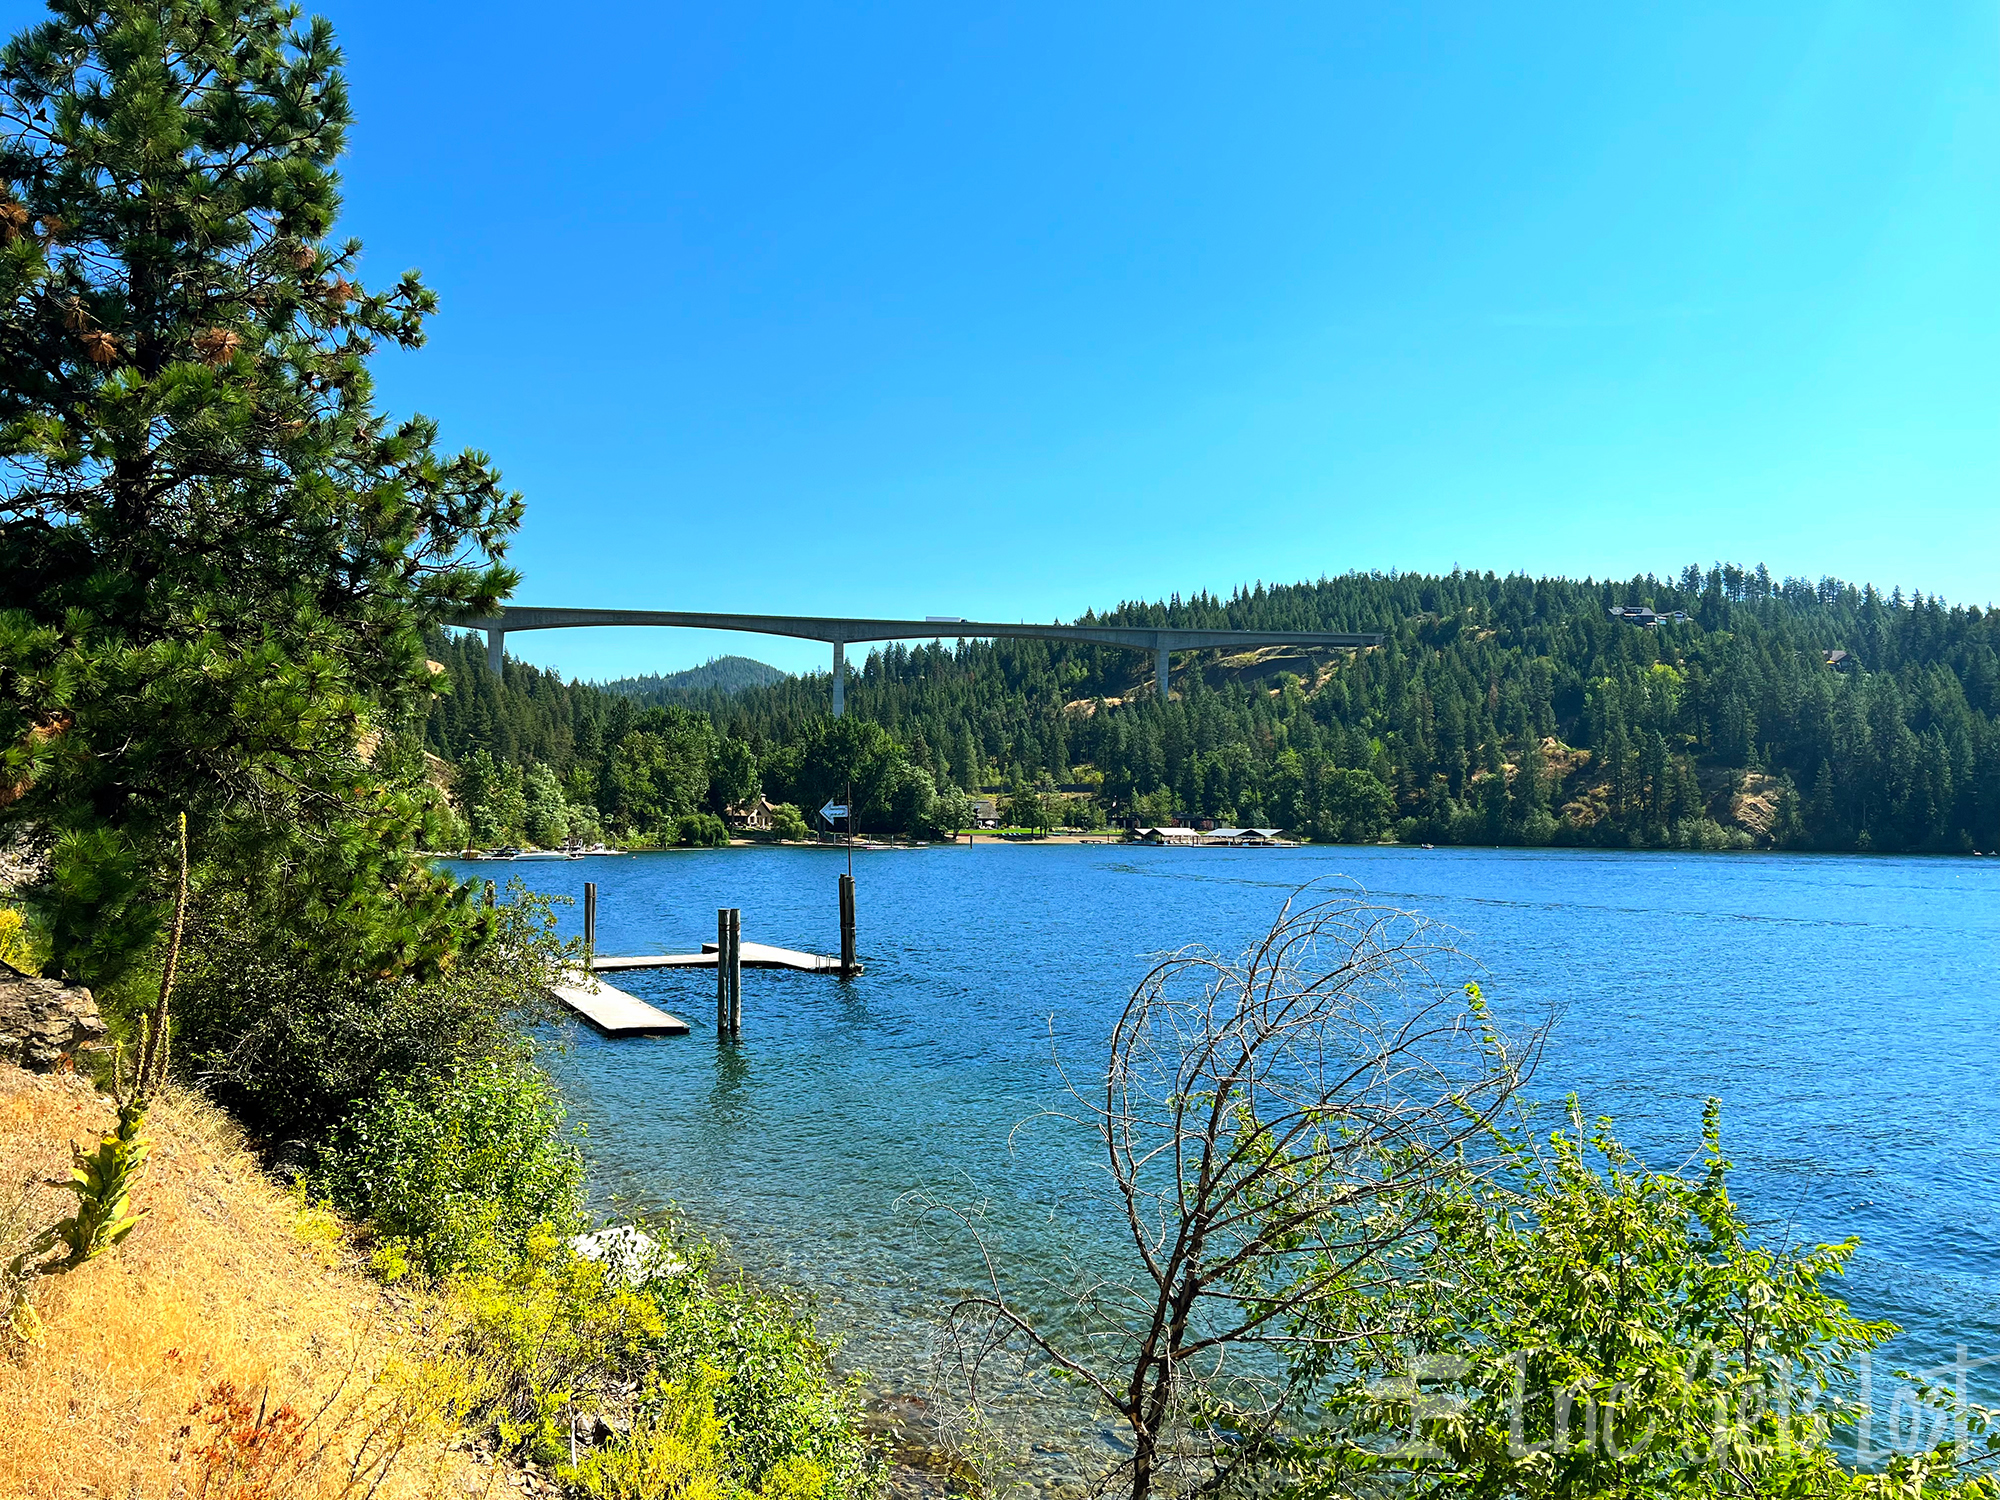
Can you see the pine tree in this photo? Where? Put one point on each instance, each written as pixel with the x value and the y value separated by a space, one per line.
pixel 217 556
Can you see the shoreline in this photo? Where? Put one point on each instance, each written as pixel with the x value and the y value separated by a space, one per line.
pixel 1104 840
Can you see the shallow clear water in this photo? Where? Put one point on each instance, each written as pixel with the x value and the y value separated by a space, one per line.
pixel 1846 1010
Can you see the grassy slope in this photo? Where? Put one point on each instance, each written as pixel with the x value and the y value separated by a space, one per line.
pixel 226 1284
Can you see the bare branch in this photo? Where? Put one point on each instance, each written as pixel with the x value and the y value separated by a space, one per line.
pixel 1273 1128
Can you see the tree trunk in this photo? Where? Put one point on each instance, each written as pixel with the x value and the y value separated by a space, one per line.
pixel 1144 1452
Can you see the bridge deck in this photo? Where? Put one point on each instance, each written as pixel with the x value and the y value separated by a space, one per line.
pixel 612 1012
pixel 755 956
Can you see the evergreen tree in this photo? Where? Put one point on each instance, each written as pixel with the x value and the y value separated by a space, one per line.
pixel 217 557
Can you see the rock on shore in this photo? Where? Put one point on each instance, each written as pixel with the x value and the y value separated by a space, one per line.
pixel 43 1020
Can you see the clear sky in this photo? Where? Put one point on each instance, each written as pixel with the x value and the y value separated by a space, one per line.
pixel 1013 312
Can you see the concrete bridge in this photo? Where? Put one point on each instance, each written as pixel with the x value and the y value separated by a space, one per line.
pixel 1161 641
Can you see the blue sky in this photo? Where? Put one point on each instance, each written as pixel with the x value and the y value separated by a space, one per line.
pixel 917 310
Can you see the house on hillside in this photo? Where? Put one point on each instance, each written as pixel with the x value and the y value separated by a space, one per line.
pixel 1640 614
pixel 754 815
pixel 1840 661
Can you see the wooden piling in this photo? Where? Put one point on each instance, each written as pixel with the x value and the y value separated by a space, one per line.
pixel 735 968
pixel 722 972
pixel 848 968
pixel 589 920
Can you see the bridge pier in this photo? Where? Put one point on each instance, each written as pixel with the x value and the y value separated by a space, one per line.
pixel 839 676
pixel 1160 670
pixel 495 641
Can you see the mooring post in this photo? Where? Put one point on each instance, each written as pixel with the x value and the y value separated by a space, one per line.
pixel 589 920
pixel 735 972
pixel 722 972
pixel 847 927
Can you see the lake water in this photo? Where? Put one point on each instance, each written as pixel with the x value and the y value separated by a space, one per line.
pixel 1846 1011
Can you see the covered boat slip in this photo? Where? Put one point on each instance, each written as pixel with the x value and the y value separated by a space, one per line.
pixel 1212 838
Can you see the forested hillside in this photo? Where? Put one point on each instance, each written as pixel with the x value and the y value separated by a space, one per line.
pixel 1498 710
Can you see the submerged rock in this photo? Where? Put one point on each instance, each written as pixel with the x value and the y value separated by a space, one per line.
pixel 43 1020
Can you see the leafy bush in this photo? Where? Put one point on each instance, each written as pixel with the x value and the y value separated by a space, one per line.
pixel 676 1452
pixel 18 948
pixel 458 1174
pixel 670 1454
pixel 292 1044
pixel 703 830
pixel 776 1402
pixel 787 822
pixel 1580 1325
pixel 562 1335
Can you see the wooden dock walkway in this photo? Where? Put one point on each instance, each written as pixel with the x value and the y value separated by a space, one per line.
pixel 612 1012
pixel 755 956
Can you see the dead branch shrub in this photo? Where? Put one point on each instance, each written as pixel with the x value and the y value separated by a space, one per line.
pixel 1269 1129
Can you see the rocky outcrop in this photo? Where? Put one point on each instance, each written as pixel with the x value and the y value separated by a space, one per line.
pixel 43 1020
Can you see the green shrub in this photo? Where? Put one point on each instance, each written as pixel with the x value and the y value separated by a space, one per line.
pixel 676 1451
pixel 1580 1325
pixel 703 830
pixel 292 1045
pixel 562 1335
pixel 458 1174
pixel 671 1454
pixel 787 822
pixel 776 1402
pixel 18 948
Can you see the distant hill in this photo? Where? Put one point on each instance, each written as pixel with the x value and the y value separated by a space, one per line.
pixel 727 675
pixel 1731 708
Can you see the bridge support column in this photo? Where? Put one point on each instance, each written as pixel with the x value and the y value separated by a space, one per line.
pixel 495 641
pixel 839 676
pixel 1160 670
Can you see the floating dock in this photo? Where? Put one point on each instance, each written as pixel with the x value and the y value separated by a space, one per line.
pixel 755 956
pixel 612 1012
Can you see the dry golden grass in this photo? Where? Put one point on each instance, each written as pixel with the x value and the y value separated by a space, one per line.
pixel 229 1349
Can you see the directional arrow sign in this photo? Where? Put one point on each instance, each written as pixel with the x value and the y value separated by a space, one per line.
pixel 833 810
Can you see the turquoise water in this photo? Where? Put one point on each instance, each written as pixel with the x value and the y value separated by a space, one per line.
pixel 1846 1010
